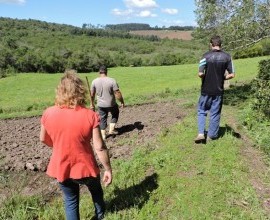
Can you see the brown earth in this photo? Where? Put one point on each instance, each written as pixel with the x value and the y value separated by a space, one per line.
pixel 22 154
pixel 21 149
pixel 170 34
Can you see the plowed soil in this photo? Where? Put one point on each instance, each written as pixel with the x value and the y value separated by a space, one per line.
pixel 23 155
pixel 21 149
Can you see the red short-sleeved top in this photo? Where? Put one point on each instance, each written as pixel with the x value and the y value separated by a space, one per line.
pixel 71 132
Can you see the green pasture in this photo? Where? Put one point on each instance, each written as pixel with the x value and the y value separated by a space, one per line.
pixel 178 180
pixel 168 178
pixel 30 93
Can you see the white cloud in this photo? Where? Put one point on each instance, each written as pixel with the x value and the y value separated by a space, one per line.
pixel 137 8
pixel 19 2
pixel 171 11
pixel 119 12
pixel 173 22
pixel 140 4
pixel 146 14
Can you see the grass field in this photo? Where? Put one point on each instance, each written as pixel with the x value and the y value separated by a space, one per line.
pixel 29 94
pixel 187 181
pixel 170 34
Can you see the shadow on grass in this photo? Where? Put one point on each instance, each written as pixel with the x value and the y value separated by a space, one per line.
pixel 130 127
pixel 227 129
pixel 237 94
pixel 136 195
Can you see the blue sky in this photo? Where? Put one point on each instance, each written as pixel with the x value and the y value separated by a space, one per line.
pixel 101 12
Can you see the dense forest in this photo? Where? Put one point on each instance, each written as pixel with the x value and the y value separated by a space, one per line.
pixel 38 46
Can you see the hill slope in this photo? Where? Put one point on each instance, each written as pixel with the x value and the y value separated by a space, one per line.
pixel 36 46
pixel 170 34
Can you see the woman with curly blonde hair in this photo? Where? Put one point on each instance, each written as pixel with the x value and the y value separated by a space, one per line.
pixel 71 91
pixel 68 127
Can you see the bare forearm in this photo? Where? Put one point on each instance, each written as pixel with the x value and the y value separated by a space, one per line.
pixel 92 96
pixel 103 157
pixel 101 149
pixel 44 137
pixel 92 101
pixel 119 97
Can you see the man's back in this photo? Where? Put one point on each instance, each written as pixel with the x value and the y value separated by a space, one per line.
pixel 105 88
pixel 216 62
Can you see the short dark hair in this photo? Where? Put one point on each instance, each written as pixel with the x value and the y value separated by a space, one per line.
pixel 215 41
pixel 103 69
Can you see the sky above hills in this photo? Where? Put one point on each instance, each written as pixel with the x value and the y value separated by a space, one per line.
pixel 101 12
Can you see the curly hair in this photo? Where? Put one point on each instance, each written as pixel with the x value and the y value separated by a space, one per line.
pixel 71 91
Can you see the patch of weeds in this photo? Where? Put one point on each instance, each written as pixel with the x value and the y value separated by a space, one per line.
pixel 167 90
pixel 257 126
pixel 179 91
pixel 165 132
pixel 34 106
pixel 127 141
pixel 189 104
pixel 159 162
pixel 18 207
pixel 4 178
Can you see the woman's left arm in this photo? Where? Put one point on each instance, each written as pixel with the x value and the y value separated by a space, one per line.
pixel 44 137
pixel 103 155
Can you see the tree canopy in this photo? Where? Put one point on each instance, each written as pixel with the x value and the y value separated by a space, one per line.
pixel 240 23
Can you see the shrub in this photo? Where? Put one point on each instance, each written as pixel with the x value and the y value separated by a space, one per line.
pixel 261 87
pixel 3 73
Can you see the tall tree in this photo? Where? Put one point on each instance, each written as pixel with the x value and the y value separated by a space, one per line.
pixel 240 23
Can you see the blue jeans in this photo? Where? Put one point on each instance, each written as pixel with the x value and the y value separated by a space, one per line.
pixel 103 112
pixel 71 192
pixel 213 104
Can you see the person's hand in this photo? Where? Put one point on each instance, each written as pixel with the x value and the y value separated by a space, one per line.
pixel 122 105
pixel 201 75
pixel 107 177
pixel 92 107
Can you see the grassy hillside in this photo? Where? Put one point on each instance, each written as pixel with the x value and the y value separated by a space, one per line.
pixel 36 46
pixel 29 94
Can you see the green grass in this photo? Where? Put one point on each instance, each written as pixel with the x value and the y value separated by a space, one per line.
pixel 209 181
pixel 178 180
pixel 29 94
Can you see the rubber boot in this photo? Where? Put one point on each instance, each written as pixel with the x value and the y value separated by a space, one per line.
pixel 112 129
pixel 103 134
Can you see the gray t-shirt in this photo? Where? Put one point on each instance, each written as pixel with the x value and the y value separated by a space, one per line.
pixel 104 88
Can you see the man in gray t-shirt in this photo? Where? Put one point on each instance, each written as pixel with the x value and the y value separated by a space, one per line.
pixel 107 91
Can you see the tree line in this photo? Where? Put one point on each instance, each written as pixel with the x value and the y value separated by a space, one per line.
pixel 140 26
